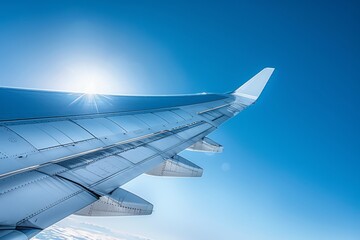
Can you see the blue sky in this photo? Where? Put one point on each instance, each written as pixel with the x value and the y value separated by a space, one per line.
pixel 291 166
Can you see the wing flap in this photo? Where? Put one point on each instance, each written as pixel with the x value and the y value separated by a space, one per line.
pixel 40 200
pixel 119 203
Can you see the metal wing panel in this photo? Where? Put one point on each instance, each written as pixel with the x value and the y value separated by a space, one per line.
pixel 35 136
pixel 107 185
pixel 113 127
pixel 107 169
pixel 129 123
pixel 169 116
pixel 164 143
pixel 72 130
pixel 55 133
pixel 95 127
pixel 138 154
pixel 109 165
pixel 191 132
pixel 74 139
pixel 57 210
pixel 144 158
pixel 151 119
pixel 183 114
pixel 92 173
pixel 12 145
pixel 34 193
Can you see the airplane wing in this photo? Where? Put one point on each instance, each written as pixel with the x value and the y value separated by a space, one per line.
pixel 68 153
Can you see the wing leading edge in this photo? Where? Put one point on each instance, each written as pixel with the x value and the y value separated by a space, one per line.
pixel 73 159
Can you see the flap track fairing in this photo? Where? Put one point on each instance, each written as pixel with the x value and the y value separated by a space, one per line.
pixel 206 145
pixel 177 167
pixel 118 203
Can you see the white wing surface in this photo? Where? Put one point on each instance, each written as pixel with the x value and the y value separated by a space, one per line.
pixel 63 154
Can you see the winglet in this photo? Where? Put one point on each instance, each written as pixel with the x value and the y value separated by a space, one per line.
pixel 253 87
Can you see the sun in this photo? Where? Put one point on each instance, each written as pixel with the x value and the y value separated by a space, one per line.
pixel 89 79
pixel 90 75
pixel 90 87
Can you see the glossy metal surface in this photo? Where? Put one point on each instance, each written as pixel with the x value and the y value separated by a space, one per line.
pixel 61 152
pixel 17 104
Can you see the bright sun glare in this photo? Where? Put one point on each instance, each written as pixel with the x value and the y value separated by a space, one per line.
pixel 93 75
pixel 91 81
pixel 90 87
pixel 88 78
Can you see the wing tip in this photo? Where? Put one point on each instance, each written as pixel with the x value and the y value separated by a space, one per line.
pixel 253 87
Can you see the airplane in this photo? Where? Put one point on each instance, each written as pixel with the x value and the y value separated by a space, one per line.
pixel 70 153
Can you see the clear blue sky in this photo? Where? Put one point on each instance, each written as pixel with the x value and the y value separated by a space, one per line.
pixel 291 164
